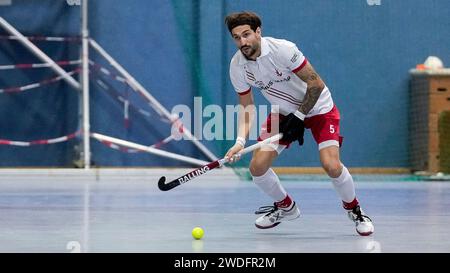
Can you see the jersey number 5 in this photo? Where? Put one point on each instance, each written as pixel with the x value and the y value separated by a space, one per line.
pixel 332 129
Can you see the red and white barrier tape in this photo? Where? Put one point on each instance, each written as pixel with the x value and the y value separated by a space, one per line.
pixel 114 76
pixel 107 72
pixel 73 135
pixel 69 39
pixel 38 142
pixel 55 79
pixel 44 38
pixel 128 150
pixel 18 89
pixel 122 99
pixel 37 65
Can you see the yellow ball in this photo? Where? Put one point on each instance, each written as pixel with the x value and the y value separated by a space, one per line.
pixel 197 233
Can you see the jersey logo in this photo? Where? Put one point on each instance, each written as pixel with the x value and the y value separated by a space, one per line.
pixel 260 84
pixel 294 58
pixel 250 76
pixel 279 74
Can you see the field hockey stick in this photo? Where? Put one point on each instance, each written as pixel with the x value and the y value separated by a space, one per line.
pixel 210 166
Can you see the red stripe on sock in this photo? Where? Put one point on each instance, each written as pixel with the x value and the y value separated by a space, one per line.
pixel 350 205
pixel 285 203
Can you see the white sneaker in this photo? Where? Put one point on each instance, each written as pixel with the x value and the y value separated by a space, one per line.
pixel 274 216
pixel 364 225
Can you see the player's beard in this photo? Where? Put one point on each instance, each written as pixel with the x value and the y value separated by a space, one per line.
pixel 250 51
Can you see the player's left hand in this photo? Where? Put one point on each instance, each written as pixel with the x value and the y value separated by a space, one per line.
pixel 233 153
pixel 293 128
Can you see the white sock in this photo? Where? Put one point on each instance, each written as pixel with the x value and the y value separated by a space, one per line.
pixel 270 184
pixel 344 186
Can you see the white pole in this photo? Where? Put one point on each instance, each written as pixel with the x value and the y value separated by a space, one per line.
pixel 149 149
pixel 154 103
pixel 85 77
pixel 39 53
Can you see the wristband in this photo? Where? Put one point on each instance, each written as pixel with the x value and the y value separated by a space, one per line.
pixel 300 115
pixel 240 141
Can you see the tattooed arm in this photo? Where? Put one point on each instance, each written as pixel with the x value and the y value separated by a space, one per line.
pixel 314 88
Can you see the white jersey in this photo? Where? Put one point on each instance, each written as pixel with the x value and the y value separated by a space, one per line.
pixel 274 73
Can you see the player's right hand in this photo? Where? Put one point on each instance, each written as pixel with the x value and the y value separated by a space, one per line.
pixel 233 152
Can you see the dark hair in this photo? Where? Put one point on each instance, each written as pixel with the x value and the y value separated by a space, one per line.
pixel 243 18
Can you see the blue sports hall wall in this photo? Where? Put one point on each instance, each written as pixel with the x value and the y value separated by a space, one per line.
pixel 180 49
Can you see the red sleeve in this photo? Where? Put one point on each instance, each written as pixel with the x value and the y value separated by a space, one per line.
pixel 300 66
pixel 245 92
